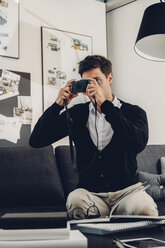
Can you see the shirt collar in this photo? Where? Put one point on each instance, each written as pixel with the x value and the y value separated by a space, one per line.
pixel 116 102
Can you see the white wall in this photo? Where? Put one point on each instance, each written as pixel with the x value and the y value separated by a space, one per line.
pixel 136 80
pixel 83 17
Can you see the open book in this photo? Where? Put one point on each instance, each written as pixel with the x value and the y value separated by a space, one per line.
pixel 119 223
pixel 121 218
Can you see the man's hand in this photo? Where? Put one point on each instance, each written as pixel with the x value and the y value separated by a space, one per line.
pixel 94 91
pixel 65 95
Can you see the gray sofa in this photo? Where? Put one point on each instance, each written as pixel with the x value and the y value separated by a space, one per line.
pixel 40 180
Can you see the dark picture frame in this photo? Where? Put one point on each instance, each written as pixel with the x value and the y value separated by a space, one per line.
pixel 9 29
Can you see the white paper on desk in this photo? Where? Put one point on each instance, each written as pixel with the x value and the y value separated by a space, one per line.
pixel 34 234
pixel 75 240
pixel 10 128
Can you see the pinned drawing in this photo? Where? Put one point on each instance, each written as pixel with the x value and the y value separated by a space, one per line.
pixel 24 110
pixel 9 84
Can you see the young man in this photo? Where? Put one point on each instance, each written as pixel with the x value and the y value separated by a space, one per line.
pixel 106 148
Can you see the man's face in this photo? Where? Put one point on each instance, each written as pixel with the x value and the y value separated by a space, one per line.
pixel 100 78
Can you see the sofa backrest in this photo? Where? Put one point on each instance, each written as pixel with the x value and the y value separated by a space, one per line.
pixel 29 177
pixel 149 159
pixel 35 177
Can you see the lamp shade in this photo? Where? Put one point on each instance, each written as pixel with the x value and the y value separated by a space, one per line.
pixel 150 42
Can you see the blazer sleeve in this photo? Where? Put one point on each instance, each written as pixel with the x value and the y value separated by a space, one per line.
pixel 51 127
pixel 133 130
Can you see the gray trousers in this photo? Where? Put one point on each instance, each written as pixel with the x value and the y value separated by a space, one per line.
pixel 82 203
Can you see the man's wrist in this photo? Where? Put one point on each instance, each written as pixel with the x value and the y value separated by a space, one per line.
pixel 59 102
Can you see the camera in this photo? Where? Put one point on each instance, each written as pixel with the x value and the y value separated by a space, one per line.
pixel 79 86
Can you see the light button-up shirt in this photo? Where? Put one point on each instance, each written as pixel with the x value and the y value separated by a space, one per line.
pixel 104 128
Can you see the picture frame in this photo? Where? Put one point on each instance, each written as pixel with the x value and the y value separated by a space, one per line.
pixel 9 28
pixel 61 52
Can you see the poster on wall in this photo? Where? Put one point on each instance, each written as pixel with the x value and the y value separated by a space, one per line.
pixel 9 28
pixel 15 108
pixel 61 53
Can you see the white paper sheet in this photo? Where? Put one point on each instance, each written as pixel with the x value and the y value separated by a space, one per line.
pixel 10 128
pixel 74 240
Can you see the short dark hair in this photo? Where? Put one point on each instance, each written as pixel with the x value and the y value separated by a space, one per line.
pixel 95 61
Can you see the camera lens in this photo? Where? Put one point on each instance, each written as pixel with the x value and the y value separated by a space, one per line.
pixel 79 87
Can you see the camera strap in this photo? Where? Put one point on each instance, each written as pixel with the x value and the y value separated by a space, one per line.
pixel 69 126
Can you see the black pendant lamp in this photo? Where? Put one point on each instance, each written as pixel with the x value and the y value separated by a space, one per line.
pixel 150 42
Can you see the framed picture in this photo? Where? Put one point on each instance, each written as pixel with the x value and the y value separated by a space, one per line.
pixel 9 28
pixel 61 52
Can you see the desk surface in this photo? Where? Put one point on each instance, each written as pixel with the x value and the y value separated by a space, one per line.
pixel 105 241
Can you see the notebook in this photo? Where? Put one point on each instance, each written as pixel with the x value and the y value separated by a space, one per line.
pixel 107 228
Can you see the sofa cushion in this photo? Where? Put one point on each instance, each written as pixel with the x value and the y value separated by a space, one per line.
pixel 29 177
pixel 149 159
pixel 156 182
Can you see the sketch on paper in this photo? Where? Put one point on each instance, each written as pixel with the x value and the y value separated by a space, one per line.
pixel 9 129
pixel 15 108
pixel 61 53
pixel 9 28
pixel 9 84
pixel 24 110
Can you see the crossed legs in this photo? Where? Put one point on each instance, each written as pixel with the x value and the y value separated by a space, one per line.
pixel 81 203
